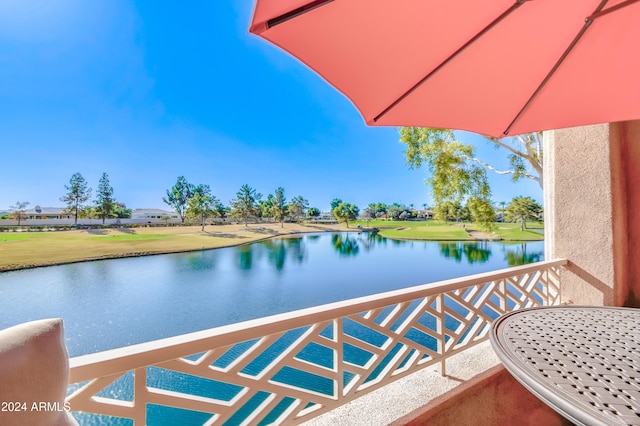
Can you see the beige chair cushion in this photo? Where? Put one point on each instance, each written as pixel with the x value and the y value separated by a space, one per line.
pixel 34 373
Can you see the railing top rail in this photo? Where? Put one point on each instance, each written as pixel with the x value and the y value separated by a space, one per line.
pixel 113 361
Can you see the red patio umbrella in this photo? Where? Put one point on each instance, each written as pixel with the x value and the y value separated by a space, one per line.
pixel 495 67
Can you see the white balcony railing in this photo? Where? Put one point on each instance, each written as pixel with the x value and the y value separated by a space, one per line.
pixel 294 366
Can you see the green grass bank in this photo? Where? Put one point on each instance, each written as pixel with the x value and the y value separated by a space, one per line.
pixel 19 250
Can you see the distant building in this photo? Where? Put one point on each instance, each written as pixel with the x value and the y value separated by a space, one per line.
pixel 47 213
pixel 153 214
pixel 324 217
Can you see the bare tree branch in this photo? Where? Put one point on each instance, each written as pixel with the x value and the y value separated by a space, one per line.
pixel 501 172
pixel 533 157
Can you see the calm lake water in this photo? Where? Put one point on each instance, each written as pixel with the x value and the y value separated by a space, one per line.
pixel 113 303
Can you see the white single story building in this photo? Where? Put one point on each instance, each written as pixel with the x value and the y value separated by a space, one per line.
pixel 153 214
pixel 48 213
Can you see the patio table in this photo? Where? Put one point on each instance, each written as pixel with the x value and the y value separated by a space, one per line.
pixel 584 362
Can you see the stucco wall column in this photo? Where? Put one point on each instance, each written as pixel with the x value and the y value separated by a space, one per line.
pixel 592 192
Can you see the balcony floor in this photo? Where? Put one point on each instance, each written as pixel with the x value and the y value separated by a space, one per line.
pixel 397 399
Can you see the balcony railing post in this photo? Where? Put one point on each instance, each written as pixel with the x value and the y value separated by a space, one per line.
pixel 502 295
pixel 547 285
pixel 338 358
pixel 140 396
pixel 440 307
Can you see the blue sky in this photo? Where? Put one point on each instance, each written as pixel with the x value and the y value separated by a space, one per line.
pixel 147 91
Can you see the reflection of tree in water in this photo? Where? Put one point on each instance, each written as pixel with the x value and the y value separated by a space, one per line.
pixel 279 249
pixel 204 260
pixel 398 242
pixel 295 249
pixel 451 250
pixel 345 245
pixel 276 252
pixel 474 252
pixel 246 256
pixel 477 252
pixel 370 239
pixel 520 256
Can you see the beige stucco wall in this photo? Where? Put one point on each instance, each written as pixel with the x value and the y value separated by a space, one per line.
pixel 491 398
pixel 579 211
pixel 592 184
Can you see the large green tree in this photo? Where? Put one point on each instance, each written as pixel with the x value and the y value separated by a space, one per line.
pixel 524 152
pixel 335 203
pixel 345 212
pixel 90 212
pixel 121 211
pixel 78 193
pixel 398 211
pixel 297 207
pixel 105 203
pixel 178 197
pixel 375 210
pixel 454 178
pixel 245 205
pixel 482 213
pixel 202 204
pixel 264 206
pixel 313 212
pixel 17 211
pixel 448 211
pixel 522 209
pixel 279 208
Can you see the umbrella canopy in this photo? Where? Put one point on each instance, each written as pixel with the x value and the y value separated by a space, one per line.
pixel 495 67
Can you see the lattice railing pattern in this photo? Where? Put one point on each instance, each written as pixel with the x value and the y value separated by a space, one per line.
pixel 291 367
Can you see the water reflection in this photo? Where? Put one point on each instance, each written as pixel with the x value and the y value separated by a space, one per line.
pixel 519 255
pixel 473 252
pixel 245 253
pixel 276 251
pixel 280 249
pixel 198 262
pixel 345 244
pixel 372 239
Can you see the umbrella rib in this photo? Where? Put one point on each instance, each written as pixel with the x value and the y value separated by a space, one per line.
pixel 296 12
pixel 612 9
pixel 482 32
pixel 576 39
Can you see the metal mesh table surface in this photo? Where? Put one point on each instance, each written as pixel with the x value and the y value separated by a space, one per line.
pixel 582 361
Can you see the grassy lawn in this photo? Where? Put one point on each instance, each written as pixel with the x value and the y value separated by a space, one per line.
pixel 511 231
pixel 428 230
pixel 25 249
pixel 133 237
pixel 435 230
pixel 14 237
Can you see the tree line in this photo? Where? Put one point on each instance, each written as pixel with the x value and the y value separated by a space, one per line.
pixel 104 205
pixel 521 209
pixel 79 203
pixel 197 203
pixel 192 201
